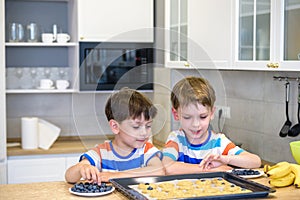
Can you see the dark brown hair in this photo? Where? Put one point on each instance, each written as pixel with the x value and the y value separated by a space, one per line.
pixel 128 103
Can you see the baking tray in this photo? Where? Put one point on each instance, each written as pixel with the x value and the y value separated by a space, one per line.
pixel 258 190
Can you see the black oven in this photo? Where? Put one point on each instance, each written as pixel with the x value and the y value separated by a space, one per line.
pixel 111 66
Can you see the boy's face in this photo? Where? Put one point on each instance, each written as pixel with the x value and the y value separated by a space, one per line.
pixel 134 133
pixel 194 120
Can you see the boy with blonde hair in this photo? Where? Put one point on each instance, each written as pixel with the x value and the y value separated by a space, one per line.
pixel 194 147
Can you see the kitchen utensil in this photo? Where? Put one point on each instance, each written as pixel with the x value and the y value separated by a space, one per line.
pixel 287 125
pixel 295 130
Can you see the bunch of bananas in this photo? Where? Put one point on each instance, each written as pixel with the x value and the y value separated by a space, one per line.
pixel 283 174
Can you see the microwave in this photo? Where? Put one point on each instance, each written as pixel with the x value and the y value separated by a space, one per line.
pixel 111 66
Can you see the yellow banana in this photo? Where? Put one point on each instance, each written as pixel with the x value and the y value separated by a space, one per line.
pixel 268 167
pixel 296 171
pixel 283 181
pixel 280 171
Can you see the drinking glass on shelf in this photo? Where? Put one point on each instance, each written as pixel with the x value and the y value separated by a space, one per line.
pixel 16 32
pixel 20 33
pixel 32 32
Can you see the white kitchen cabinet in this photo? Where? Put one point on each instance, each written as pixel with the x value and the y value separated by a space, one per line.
pixel 3 164
pixel 176 36
pixel 28 62
pixel 267 35
pixel 71 160
pixel 39 168
pixel 199 34
pixel 116 20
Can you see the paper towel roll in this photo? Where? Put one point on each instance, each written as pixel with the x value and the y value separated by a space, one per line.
pixel 29 133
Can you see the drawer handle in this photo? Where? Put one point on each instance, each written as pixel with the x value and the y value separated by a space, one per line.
pixel 273 65
pixel 186 64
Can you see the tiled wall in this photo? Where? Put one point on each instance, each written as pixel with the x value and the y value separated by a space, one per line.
pixel 257 104
pixel 78 114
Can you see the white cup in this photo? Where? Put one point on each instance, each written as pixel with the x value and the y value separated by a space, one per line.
pixel 46 83
pixel 48 37
pixel 62 84
pixel 63 37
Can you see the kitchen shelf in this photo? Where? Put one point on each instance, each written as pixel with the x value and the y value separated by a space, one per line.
pixel 26 91
pixel 40 44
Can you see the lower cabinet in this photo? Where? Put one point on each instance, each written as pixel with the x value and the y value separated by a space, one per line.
pixel 39 168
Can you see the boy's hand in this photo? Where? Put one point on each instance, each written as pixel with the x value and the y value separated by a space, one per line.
pixel 90 173
pixel 213 161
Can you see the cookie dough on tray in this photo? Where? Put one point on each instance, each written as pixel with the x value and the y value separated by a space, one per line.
pixel 189 188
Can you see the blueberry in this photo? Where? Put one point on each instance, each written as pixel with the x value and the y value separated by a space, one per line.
pixel 90 187
pixel 149 188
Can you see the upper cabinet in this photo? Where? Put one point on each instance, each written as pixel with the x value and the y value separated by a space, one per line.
pixel 267 35
pixel 116 20
pixel 27 58
pixel 209 33
pixel 176 35
pixel 198 33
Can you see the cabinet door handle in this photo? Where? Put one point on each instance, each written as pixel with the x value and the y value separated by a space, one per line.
pixel 186 64
pixel 273 65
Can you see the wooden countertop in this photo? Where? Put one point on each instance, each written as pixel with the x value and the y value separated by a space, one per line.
pixel 64 145
pixel 59 190
pixel 73 144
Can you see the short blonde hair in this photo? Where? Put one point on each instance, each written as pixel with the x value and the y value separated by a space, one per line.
pixel 193 90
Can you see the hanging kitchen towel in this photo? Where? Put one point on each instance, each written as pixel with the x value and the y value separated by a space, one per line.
pixel 29 133
pixel 48 133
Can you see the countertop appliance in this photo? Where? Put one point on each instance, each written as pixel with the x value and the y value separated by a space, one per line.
pixel 110 66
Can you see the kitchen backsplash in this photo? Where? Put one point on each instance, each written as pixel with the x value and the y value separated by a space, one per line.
pixel 257 106
pixel 256 101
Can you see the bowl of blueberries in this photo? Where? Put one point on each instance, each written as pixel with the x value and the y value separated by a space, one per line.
pixel 247 173
pixel 91 189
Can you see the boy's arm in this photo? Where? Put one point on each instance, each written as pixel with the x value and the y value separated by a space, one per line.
pixel 174 167
pixel 84 170
pixel 243 160
pixel 153 168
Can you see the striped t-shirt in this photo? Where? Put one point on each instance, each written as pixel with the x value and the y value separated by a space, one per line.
pixel 180 149
pixel 105 158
